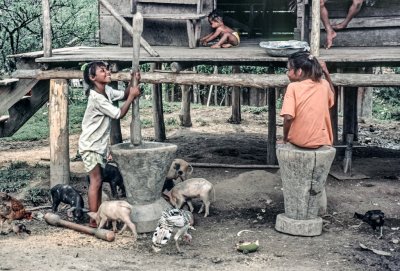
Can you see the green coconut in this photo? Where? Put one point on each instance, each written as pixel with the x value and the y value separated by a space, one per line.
pixel 247 247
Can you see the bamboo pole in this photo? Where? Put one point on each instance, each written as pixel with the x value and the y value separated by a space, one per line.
pixel 136 133
pixel 46 28
pixel 240 79
pixel 315 27
pixel 125 25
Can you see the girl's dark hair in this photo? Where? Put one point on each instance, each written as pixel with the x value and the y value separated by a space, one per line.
pixel 307 63
pixel 90 70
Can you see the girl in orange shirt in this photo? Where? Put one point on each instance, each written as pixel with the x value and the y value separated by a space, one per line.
pixel 306 103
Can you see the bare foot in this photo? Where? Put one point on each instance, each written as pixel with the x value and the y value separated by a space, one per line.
pixel 339 26
pixel 215 46
pixel 227 45
pixel 330 36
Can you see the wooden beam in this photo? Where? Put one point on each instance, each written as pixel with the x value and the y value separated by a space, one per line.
pixel 59 132
pixel 46 28
pixel 8 81
pixel 241 80
pixel 128 28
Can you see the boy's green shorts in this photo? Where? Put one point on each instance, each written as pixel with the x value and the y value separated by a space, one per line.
pixel 91 159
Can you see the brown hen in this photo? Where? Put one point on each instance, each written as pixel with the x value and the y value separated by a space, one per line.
pixel 11 209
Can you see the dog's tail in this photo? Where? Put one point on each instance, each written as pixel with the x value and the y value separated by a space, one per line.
pixel 191 168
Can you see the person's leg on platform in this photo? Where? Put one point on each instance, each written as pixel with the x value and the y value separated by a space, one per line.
pixel 353 11
pixel 330 33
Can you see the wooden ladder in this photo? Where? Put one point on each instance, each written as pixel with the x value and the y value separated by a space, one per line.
pixel 22 98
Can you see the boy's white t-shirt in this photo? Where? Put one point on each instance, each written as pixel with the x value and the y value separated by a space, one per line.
pixel 96 123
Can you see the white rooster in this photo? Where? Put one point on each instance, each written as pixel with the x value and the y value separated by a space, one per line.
pixel 170 219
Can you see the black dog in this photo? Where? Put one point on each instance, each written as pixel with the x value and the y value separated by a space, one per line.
pixel 111 174
pixel 67 194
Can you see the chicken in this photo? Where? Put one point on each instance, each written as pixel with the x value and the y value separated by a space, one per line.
pixel 375 218
pixel 170 219
pixel 19 228
pixel 11 209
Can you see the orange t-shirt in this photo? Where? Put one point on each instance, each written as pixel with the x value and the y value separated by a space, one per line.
pixel 308 102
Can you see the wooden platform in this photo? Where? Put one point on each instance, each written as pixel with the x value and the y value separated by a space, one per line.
pixel 245 54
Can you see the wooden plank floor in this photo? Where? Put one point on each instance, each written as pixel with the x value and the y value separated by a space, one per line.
pixel 247 54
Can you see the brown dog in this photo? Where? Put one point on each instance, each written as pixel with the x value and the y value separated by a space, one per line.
pixel 178 169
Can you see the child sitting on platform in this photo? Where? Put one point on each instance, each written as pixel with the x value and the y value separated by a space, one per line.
pixel 96 124
pixel 227 36
pixel 306 103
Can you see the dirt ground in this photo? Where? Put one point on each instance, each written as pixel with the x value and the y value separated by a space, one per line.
pixel 246 199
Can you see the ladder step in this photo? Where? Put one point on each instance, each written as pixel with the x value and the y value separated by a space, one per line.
pixel 8 81
pixel 4 118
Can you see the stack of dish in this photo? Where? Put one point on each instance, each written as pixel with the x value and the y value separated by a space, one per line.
pixel 284 48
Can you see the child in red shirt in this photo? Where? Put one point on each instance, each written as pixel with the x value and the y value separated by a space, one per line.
pixel 306 103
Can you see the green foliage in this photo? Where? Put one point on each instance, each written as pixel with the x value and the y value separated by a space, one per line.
pixel 389 95
pixel 386 101
pixel 37 127
pixel 14 177
pixel 37 196
pixel 383 110
pixel 255 110
pixel 201 122
pixel 171 122
pixel 171 107
pixel 21 26
pixel 146 123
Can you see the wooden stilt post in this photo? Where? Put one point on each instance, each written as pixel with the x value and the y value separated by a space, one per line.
pixel 116 134
pixel 334 117
pixel 315 27
pixel 212 87
pixel 46 28
pixel 236 114
pixel 137 24
pixel 271 141
pixel 184 115
pixel 158 114
pixel 59 133
pixel 350 125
